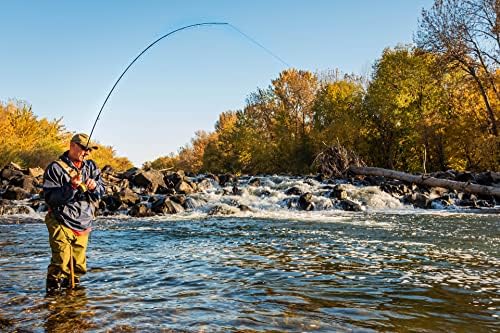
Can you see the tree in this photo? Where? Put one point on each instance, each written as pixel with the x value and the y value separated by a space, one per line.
pixel 467 34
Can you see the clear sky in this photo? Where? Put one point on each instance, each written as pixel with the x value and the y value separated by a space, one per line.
pixel 63 57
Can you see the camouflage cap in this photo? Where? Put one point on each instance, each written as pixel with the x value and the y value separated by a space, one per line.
pixel 82 139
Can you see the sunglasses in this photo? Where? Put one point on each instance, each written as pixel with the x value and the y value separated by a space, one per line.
pixel 82 147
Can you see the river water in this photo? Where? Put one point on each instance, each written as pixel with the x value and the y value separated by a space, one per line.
pixel 390 271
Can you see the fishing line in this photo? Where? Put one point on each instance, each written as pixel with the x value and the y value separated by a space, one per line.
pixel 168 34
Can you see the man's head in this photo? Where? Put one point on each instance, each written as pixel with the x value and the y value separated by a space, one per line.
pixel 78 148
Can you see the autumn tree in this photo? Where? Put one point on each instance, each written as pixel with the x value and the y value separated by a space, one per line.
pixel 466 33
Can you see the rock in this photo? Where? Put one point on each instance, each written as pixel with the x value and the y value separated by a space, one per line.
pixel 112 202
pixel 184 188
pixel 396 190
pixel 441 202
pixel 254 182
pixel 39 206
pixel 350 206
pixel 244 208
pixel 418 200
pixel 15 209
pixel 173 178
pixel 464 176
pixel 320 177
pixel 150 180
pixel 305 202
pixel 484 178
pixel 236 191
pixel 293 191
pixel 191 203
pixel 205 184
pixel 35 172
pixel 16 193
pixel 9 173
pixel 140 210
pixel 339 192
pixel 213 177
pixel 222 210
pixel 130 173
pixel 166 206
pixel 179 198
pixel 27 183
pixel 437 192
pixel 127 197
pixel 227 178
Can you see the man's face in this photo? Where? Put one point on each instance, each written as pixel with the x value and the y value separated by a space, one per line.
pixel 77 152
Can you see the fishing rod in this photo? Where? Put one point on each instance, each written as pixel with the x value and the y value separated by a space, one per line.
pixel 166 35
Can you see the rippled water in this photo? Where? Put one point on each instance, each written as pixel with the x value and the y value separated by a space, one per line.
pixel 309 273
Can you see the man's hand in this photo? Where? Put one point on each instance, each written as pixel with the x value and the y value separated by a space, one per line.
pixel 91 184
pixel 76 181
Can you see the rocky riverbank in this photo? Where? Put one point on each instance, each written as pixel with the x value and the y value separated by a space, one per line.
pixel 142 193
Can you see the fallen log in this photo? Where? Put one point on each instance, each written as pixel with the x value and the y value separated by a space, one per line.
pixel 427 181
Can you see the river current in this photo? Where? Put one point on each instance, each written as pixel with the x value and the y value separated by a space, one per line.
pixel 390 271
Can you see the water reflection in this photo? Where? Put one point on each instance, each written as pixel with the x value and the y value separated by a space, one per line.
pixel 368 273
pixel 68 312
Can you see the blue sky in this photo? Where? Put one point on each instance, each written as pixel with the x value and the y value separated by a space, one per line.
pixel 63 57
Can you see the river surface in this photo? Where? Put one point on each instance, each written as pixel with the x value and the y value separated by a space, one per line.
pixel 403 271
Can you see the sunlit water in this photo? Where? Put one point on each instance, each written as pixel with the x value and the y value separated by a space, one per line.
pixel 308 272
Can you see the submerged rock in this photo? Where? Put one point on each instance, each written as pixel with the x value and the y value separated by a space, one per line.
pixel 222 210
pixel 294 191
pixel 350 205
pixel 305 202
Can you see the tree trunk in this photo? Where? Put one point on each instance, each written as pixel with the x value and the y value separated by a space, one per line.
pixel 428 181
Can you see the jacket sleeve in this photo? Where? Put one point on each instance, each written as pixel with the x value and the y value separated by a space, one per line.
pixel 99 191
pixel 57 191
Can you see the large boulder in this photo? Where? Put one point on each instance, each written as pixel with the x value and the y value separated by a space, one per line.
pixel 127 197
pixel 28 183
pixel 130 173
pixel 184 187
pixel 35 172
pixel 166 206
pixel 16 193
pixel 150 180
pixel 10 171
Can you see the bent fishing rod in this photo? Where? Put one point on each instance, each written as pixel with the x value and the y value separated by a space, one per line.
pixel 165 36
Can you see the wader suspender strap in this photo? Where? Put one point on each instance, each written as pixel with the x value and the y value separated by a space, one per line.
pixel 65 166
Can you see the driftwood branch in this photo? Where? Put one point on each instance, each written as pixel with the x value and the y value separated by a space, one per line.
pixel 427 180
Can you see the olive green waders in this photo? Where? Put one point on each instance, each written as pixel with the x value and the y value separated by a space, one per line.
pixel 62 239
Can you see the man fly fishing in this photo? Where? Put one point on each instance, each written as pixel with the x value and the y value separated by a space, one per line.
pixel 72 187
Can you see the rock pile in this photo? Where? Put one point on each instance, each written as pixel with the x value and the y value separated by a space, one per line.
pixel 142 193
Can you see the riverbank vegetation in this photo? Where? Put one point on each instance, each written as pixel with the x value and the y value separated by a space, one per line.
pixel 426 107
pixel 30 142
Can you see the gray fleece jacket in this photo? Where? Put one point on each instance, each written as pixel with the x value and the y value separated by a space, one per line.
pixel 70 206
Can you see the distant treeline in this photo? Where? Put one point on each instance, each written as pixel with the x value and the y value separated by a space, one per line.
pixel 428 107
pixel 31 142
